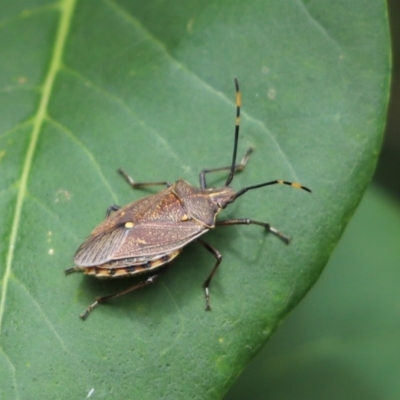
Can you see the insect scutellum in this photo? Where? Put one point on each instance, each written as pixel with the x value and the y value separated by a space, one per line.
pixel 141 238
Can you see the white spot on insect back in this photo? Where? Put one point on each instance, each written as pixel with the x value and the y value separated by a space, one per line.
pixel 91 391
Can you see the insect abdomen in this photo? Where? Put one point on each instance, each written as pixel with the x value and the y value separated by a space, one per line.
pixel 130 266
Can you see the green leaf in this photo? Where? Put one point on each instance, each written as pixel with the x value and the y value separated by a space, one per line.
pixel 90 86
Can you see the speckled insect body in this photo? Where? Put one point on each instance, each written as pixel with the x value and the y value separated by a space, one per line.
pixel 144 236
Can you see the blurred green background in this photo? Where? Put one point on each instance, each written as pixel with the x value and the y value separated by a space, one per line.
pixel 343 340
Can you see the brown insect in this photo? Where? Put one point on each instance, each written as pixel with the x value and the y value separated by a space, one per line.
pixel 143 236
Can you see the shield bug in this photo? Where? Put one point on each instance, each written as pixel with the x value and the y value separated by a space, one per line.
pixel 142 237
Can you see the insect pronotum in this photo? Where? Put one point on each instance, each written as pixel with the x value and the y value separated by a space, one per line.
pixel 142 237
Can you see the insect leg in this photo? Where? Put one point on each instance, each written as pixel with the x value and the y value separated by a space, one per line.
pixel 103 299
pixel 238 167
pixel 73 269
pixel 207 282
pixel 113 207
pixel 140 185
pixel 247 221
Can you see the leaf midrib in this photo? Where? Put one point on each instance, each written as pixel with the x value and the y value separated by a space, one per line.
pixel 66 8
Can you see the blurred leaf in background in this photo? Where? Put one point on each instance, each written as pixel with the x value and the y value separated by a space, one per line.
pixel 387 173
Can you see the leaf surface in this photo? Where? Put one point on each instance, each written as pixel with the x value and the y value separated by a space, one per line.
pixel 90 86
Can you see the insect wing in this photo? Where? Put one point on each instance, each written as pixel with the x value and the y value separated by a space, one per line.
pixel 153 239
pixel 154 225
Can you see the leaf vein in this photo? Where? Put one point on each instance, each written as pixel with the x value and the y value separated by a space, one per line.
pixel 16 128
pixel 129 111
pixel 89 154
pixel 28 12
pixel 317 24
pixel 52 214
pixel 38 306
pixel 204 84
pixel 14 377
pixel 66 8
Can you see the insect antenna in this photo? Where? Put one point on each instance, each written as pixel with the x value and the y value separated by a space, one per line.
pixel 237 124
pixel 275 182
